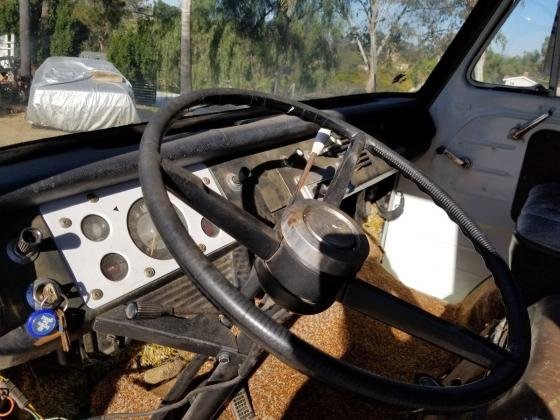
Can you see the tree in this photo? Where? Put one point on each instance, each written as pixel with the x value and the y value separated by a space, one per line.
pixel 186 50
pixel 101 17
pixel 63 41
pixel 24 39
pixel 284 46
pixel 9 17
pixel 385 25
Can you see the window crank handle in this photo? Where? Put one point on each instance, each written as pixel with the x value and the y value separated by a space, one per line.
pixel 520 130
pixel 463 162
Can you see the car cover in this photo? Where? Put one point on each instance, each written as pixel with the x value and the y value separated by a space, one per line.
pixel 80 94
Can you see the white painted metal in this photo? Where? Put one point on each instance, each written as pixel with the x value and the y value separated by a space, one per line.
pixel 83 256
pixel 424 248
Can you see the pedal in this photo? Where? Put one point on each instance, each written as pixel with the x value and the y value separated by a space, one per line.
pixel 241 405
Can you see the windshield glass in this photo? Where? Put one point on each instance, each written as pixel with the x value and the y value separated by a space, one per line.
pixel 81 65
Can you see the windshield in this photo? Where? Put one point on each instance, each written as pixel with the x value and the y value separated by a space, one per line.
pixel 81 65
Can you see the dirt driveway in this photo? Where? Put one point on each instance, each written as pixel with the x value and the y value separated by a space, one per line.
pixel 14 129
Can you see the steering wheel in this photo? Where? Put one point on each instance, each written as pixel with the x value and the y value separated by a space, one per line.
pixel 311 257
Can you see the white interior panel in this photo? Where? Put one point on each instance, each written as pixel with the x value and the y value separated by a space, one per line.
pixel 427 252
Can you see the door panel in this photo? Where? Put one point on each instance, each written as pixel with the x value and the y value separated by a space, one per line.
pixel 474 122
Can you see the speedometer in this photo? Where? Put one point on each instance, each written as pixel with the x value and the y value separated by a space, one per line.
pixel 143 232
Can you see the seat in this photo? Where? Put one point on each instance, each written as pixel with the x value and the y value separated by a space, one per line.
pixel 537 394
pixel 535 248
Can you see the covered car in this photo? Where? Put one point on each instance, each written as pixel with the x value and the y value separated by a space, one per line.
pixel 80 94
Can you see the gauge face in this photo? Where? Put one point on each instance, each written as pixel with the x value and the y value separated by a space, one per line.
pixel 144 233
pixel 95 228
pixel 114 266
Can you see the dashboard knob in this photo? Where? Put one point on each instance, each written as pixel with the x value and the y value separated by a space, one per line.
pixel 24 249
pixel 145 310
pixel 29 240
pixel 243 175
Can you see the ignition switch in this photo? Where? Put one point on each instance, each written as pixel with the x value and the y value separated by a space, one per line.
pixel 25 248
pixel 44 293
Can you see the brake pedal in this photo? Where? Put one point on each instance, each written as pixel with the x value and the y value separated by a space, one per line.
pixel 241 405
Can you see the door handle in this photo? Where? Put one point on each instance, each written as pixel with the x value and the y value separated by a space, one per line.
pixel 517 132
pixel 464 162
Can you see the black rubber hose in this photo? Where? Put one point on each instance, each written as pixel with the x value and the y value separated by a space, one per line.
pixel 277 339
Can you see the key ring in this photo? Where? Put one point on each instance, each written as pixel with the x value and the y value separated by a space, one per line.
pixel 65 299
pixel 42 303
pixel 11 409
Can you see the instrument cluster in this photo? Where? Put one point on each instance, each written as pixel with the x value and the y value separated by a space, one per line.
pixel 110 243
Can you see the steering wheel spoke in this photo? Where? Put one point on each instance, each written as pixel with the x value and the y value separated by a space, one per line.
pixel 383 306
pixel 243 226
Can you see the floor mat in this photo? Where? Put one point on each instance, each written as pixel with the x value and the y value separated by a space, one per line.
pixel 278 391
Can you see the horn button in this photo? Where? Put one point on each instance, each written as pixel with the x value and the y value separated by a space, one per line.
pixel 322 248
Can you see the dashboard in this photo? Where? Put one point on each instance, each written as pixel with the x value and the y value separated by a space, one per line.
pixel 99 244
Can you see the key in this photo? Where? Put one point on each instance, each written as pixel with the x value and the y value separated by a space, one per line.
pixel 63 329
pixel 50 294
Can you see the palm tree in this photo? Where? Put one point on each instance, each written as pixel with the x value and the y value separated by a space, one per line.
pixel 24 39
pixel 186 51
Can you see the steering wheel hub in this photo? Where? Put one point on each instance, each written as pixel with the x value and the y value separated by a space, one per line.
pixel 322 247
pixel 323 237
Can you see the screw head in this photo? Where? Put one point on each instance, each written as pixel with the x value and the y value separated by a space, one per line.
pixel 223 358
pixel 149 272
pixel 202 247
pixel 225 321
pixel 92 198
pixel 65 222
pixel 206 180
pixel 96 294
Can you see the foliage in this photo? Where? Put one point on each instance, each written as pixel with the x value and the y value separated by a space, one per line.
pixel 100 17
pixel 63 40
pixel 499 66
pixel 149 47
pixel 9 17
pixel 301 48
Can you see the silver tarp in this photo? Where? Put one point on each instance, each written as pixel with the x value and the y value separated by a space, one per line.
pixel 80 94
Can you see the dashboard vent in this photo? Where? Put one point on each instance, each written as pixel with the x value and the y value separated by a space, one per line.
pixel 365 159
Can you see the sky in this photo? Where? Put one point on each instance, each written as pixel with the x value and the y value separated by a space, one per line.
pixel 528 25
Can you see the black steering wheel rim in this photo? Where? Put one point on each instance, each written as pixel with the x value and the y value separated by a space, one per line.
pixel 277 339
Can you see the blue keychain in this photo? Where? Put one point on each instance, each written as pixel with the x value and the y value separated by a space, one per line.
pixel 42 323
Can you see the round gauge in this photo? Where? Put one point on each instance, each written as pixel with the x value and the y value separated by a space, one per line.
pixel 144 233
pixel 95 228
pixel 209 228
pixel 114 266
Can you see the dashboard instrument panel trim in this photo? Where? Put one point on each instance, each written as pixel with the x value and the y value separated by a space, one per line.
pixel 113 203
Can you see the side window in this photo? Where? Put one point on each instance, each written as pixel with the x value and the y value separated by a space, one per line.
pixel 521 53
